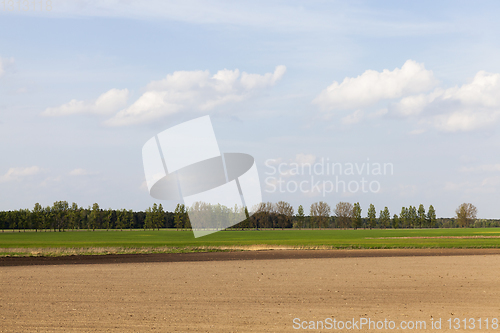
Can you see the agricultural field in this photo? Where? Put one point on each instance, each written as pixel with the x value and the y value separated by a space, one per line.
pixel 168 240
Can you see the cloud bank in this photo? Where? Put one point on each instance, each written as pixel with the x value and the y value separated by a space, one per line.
pixel 412 92
pixel 472 106
pixel 19 173
pixel 372 86
pixel 189 91
pixel 196 91
pixel 107 103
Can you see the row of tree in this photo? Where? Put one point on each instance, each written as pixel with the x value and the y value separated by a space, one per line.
pixel 410 217
pixel 345 215
pixel 62 216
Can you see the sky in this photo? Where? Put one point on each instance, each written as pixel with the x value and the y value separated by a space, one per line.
pixel 400 99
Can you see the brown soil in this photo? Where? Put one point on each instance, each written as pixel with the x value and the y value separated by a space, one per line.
pixel 227 292
pixel 241 255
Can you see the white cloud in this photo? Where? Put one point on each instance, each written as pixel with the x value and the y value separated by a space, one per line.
pixel 253 81
pixel 18 173
pixel 482 168
pixel 193 91
pixel 109 102
pixel 492 182
pixel 372 86
pixel 407 190
pixel 465 120
pixel 469 107
pixel 482 91
pixel 414 105
pixel 51 182
pixel 290 167
pixel 305 159
pixel 484 186
pixel 4 63
pixel 378 113
pixel 80 172
pixel 353 118
pixel 472 106
pixel 359 116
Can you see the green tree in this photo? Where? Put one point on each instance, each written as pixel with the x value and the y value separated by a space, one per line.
pixel 60 210
pixel 48 218
pixel 108 218
pixel 179 216
pixel 37 216
pixel 247 214
pixel 14 220
pixel 74 216
pixel 403 217
pixel 372 216
pixel 3 221
pixel 120 218
pixel 84 217
pixel 24 219
pixel 95 217
pixel 412 217
pixel 300 217
pixel 159 220
pixel 395 221
pixel 154 216
pixel 356 216
pixel 247 222
pixel 431 217
pixel 148 221
pixel 185 217
pixel 422 218
pixel 130 219
pixel 385 218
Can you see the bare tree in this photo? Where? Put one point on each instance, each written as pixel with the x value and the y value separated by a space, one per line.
pixel 466 214
pixel 263 215
pixel 285 213
pixel 344 213
pixel 320 212
pixel 270 210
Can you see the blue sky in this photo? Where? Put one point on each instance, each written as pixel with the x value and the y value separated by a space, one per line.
pixel 417 85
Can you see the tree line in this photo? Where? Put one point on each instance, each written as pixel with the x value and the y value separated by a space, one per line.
pixel 62 216
pixel 346 215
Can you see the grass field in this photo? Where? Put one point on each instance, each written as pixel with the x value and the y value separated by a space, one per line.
pixel 102 241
